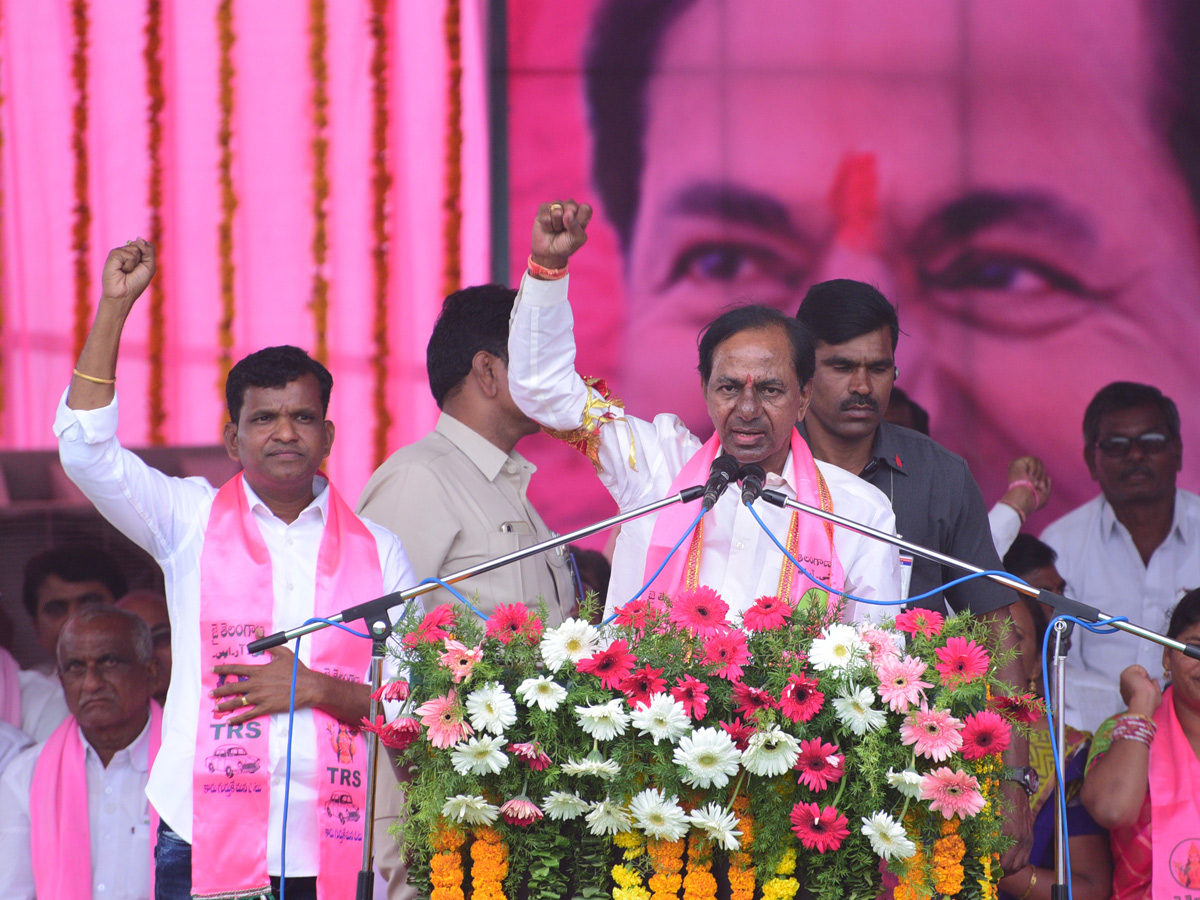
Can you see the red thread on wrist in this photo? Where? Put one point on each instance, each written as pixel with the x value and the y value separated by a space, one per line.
pixel 544 273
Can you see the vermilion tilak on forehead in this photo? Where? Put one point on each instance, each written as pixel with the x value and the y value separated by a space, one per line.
pixel 854 201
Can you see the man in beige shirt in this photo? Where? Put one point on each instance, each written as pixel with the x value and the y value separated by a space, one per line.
pixel 457 497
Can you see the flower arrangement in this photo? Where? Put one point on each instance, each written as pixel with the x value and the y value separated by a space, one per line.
pixel 679 744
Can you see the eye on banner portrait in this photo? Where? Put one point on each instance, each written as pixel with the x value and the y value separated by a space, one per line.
pixel 1022 180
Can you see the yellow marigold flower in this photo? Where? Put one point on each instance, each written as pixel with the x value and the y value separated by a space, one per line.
pixel 780 889
pixel 787 864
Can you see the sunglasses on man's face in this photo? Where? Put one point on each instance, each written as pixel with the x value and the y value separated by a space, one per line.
pixel 1118 446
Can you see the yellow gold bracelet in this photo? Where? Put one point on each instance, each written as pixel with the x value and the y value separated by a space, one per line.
pixel 1032 882
pixel 93 379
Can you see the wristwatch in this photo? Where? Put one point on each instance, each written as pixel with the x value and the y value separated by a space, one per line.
pixel 1025 776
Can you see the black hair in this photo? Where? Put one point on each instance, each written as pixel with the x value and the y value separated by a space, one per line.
pixel 842 309
pixel 753 317
pixel 1026 554
pixel 473 319
pixel 139 631
pixel 72 563
pixel 274 367
pixel 1122 395
pixel 1185 614
pixel 920 415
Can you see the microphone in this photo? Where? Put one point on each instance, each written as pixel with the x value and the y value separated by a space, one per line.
pixel 724 469
pixel 752 477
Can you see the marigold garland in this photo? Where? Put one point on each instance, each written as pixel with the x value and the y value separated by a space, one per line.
pixel 452 199
pixel 229 201
pixel 319 302
pixel 699 883
pixel 489 865
pixel 741 862
pixel 157 300
pixel 987 884
pixel 82 224
pixel 446 867
pixel 783 886
pixel 381 183
pixel 628 883
pixel 948 852
pixel 913 884
pixel 666 857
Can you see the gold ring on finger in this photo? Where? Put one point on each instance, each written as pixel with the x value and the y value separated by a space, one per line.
pixel 245 702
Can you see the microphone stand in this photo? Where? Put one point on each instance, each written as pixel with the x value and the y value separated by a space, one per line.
pixel 374 613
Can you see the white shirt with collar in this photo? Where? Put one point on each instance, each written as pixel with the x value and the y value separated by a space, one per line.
pixel 167 517
pixel 43 705
pixel 1102 567
pixel 739 560
pixel 118 823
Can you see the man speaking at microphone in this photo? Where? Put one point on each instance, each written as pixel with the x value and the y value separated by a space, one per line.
pixel 756 368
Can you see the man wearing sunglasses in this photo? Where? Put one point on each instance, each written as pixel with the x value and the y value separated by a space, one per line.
pixel 1132 551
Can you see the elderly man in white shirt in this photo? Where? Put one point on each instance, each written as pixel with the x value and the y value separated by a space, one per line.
pixel 76 819
pixel 757 386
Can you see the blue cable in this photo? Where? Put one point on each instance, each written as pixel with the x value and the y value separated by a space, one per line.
pixel 663 564
pixel 461 599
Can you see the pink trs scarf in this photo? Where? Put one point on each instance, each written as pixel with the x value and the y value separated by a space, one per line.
pixel 1174 812
pixel 231 794
pixel 59 833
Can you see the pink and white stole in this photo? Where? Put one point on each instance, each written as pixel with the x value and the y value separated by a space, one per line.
pixel 10 689
pixel 59 833
pixel 1174 812
pixel 807 539
pixel 231 796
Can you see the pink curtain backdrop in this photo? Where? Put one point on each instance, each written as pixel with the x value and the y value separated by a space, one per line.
pixel 272 173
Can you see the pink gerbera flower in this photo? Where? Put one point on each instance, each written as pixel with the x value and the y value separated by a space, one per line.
pixel 983 733
pixel 819 764
pixel 952 793
pixel 513 620
pixel 443 716
pixel 521 811
pixel 398 734
pixel 726 652
pixel 1019 707
pixel 637 614
pixel 819 829
pixel 749 700
pixel 432 627
pixel 961 661
pixel 701 612
pixel 693 694
pixel 460 659
pixel 393 690
pixel 767 614
pixel 801 700
pixel 881 643
pixel 934 732
pixel 639 684
pixel 739 732
pixel 611 666
pixel 900 683
pixel 925 622
pixel 531 753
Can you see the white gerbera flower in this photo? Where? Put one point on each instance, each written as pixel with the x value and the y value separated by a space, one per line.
pixel 572 641
pixel 561 805
pixel 604 721
pixel 490 708
pixel 664 718
pixel 887 837
pixel 479 756
pixel 839 647
pixel 470 809
pixel 770 752
pixel 660 817
pixel 592 764
pixel 710 758
pixel 906 781
pixel 544 692
pixel 608 818
pixel 719 824
pixel 855 710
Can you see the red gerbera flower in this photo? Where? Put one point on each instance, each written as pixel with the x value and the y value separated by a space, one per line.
pixel 611 666
pixel 507 621
pixel 637 613
pixel 693 694
pixel 393 690
pixel 961 660
pixel 701 612
pixel 431 630
pixel 397 734
pixel 1019 707
pixel 925 622
pixel 820 764
pixel 749 700
pixel 639 684
pixel 767 614
pixel 819 829
pixel 726 652
pixel 801 700
pixel 983 733
pixel 739 732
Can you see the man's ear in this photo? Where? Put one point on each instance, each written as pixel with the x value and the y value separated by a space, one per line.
pixel 483 364
pixel 328 438
pixel 229 435
pixel 1089 458
pixel 805 399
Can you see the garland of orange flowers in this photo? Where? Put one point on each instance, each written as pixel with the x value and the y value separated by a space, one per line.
pixel 228 197
pixel 989 890
pixel 157 336
pixel 948 852
pixel 741 862
pixel 81 227
pixel 381 182
pixel 489 865
pixel 698 883
pixel 317 40
pixel 783 886
pixel 913 885
pixel 445 866
pixel 452 201
pixel 666 857
pixel 627 879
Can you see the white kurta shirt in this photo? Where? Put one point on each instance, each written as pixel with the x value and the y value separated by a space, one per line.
pixel 167 517
pixel 739 560
pixel 1102 567
pixel 118 823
